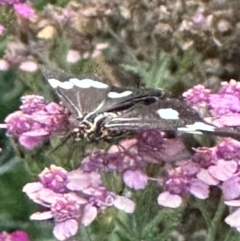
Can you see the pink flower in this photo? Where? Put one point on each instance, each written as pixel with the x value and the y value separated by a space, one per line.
pixel 135 179
pixel 131 153
pixel 68 211
pixel 228 149
pixel 204 156
pixel 19 236
pixel 231 187
pixel 198 18
pixel 118 158
pixel 223 170
pixel 232 87
pixel 73 56
pixel 32 103
pixel 79 180
pixel 24 10
pixel 124 204
pixel 234 218
pixel 230 119
pixel 107 162
pixel 167 199
pixel 28 66
pixel 205 177
pixel 1 29
pixel 54 178
pixel 72 199
pixel 66 229
pixel 197 96
pixel 199 189
pixel 179 183
pixel 98 49
pixel 222 104
pixel 36 121
pixel 15 236
pixel 9 2
pixel 4 65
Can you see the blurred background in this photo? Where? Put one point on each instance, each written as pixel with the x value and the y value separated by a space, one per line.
pixel 169 44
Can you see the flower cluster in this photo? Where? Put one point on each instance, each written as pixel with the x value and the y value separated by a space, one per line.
pixel 76 197
pixel 148 147
pixel 74 55
pixel 17 54
pixel 222 108
pixel 14 236
pixel 72 198
pixel 130 154
pixel 220 166
pixel 131 158
pixel 10 2
pixel 22 10
pixel 35 122
pixel 1 29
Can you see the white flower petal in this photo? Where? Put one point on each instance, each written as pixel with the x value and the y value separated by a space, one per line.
pixel 223 170
pixel 41 216
pixel 199 189
pixel 169 200
pixel 65 230
pixel 29 66
pixel 233 219
pixel 233 203
pixel 205 177
pixel 90 213
pixel 32 187
pixel 124 204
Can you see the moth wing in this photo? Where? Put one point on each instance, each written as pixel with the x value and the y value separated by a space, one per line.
pixel 80 95
pixel 118 99
pixel 164 115
pixel 81 102
pixel 87 96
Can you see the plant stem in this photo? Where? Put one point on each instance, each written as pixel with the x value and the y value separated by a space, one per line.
pixel 212 229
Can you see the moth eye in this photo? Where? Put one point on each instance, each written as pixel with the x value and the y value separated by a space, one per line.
pixel 169 114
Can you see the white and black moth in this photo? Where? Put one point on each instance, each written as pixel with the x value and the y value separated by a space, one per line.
pixel 106 112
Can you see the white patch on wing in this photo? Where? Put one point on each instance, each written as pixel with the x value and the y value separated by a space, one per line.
pixel 87 83
pixel 66 85
pixel 196 127
pixel 119 95
pixel 53 83
pixel 56 83
pixel 169 114
pixel 187 130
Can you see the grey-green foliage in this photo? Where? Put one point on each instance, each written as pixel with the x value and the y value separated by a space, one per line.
pixel 160 73
pixel 154 75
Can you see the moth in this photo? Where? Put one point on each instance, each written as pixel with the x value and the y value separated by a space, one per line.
pixel 102 111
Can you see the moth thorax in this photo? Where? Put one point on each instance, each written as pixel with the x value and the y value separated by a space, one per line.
pixel 86 126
